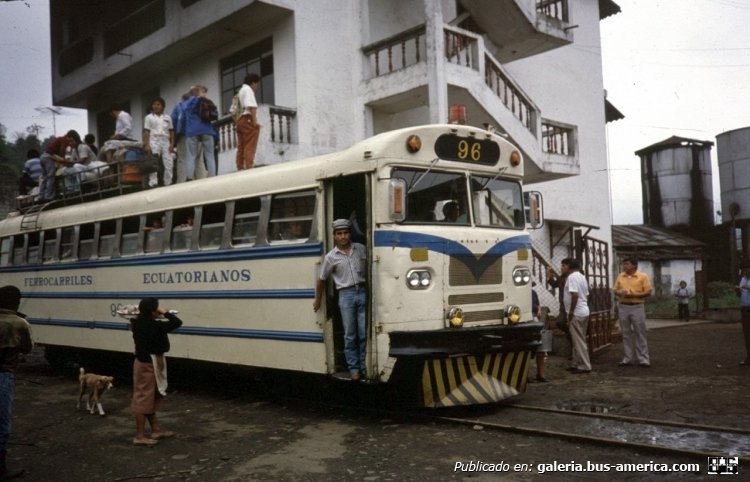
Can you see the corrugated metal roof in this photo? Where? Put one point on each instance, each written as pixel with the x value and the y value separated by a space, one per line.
pixel 674 141
pixel 642 236
pixel 607 8
pixel 611 113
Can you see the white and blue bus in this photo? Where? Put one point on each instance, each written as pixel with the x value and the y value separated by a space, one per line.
pixel 449 316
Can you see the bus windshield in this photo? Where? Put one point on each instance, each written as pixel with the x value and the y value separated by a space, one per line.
pixel 434 196
pixel 442 198
pixel 497 202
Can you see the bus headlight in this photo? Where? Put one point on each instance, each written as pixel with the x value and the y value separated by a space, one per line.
pixel 521 276
pixel 455 317
pixel 513 313
pixel 418 279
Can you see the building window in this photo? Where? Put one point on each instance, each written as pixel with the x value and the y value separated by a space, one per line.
pixel 257 58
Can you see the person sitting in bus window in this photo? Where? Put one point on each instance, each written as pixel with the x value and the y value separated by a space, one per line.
pixel 450 212
pixel 347 264
pixel 294 230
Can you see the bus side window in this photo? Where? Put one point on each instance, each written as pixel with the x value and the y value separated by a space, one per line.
pixel 182 231
pixel 291 216
pixel 245 225
pixel 212 225
pixel 107 232
pixel 66 243
pixel 86 243
pixel 5 251
pixel 19 244
pixel 154 233
pixel 32 255
pixel 129 242
pixel 50 246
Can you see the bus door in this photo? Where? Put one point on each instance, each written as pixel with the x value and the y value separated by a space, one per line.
pixel 348 199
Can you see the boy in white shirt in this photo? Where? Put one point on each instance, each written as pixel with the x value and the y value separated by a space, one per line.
pixel 158 139
pixel 575 298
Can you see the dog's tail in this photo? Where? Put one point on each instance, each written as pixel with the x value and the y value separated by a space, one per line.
pixel 82 372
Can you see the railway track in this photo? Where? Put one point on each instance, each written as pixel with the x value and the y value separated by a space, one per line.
pixel 648 435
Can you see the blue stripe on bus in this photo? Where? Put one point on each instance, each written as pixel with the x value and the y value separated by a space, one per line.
pixel 188 330
pixel 384 239
pixel 169 295
pixel 215 255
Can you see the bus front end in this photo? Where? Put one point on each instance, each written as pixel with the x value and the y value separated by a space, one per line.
pixel 452 270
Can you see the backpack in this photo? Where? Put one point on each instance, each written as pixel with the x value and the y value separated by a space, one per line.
pixel 207 110
pixel 235 110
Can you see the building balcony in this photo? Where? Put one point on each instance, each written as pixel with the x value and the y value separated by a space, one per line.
pixel 397 91
pixel 519 28
pixel 279 141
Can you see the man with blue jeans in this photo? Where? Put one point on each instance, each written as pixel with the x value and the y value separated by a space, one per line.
pixel 15 339
pixel 347 263
pixel 198 132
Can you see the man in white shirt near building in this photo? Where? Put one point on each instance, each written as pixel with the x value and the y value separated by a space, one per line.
pixel 123 124
pixel 248 128
pixel 158 139
pixel 575 297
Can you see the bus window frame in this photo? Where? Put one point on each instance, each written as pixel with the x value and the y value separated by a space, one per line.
pixel 6 254
pixel 55 247
pixel 73 245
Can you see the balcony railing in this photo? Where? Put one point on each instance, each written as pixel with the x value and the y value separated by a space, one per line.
pixel 278 126
pixel 510 95
pixel 558 138
pixel 461 49
pixel 76 55
pixel 134 27
pixel 557 9
pixel 396 52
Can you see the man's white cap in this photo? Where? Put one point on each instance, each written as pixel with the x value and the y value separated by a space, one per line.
pixel 342 224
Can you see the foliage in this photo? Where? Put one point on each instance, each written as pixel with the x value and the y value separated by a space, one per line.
pixel 720 295
pixel 13 154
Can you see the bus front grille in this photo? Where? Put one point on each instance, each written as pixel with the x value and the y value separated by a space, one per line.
pixel 473 298
pixel 468 270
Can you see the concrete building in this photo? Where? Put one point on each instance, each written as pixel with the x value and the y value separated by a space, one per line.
pixel 337 71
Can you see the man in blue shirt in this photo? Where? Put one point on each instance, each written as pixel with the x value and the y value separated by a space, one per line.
pixel 198 132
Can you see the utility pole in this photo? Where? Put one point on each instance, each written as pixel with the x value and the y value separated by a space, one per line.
pixel 51 110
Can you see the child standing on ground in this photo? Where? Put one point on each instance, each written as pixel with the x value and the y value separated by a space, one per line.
pixel 683 298
pixel 158 139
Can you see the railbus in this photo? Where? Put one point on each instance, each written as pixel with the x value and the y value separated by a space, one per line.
pixel 449 294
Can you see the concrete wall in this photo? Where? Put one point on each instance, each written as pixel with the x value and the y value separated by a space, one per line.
pixel 567 85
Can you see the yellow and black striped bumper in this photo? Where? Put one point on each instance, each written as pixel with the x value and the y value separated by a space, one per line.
pixel 471 380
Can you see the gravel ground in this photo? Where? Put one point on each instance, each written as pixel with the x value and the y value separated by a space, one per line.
pixel 233 427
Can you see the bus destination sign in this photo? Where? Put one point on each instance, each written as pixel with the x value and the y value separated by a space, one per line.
pixel 467 149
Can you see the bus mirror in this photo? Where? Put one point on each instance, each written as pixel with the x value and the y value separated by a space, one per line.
pixel 532 201
pixel 397 199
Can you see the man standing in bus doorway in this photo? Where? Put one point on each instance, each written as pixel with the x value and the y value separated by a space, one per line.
pixel 632 288
pixel 576 293
pixel 15 339
pixel 248 128
pixel 347 263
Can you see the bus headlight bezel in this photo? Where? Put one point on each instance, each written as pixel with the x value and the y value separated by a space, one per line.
pixel 455 317
pixel 521 276
pixel 418 279
pixel 513 314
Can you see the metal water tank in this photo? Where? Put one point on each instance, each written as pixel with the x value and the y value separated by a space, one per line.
pixel 676 184
pixel 733 152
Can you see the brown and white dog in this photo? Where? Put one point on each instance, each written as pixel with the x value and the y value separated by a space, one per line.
pixel 95 386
